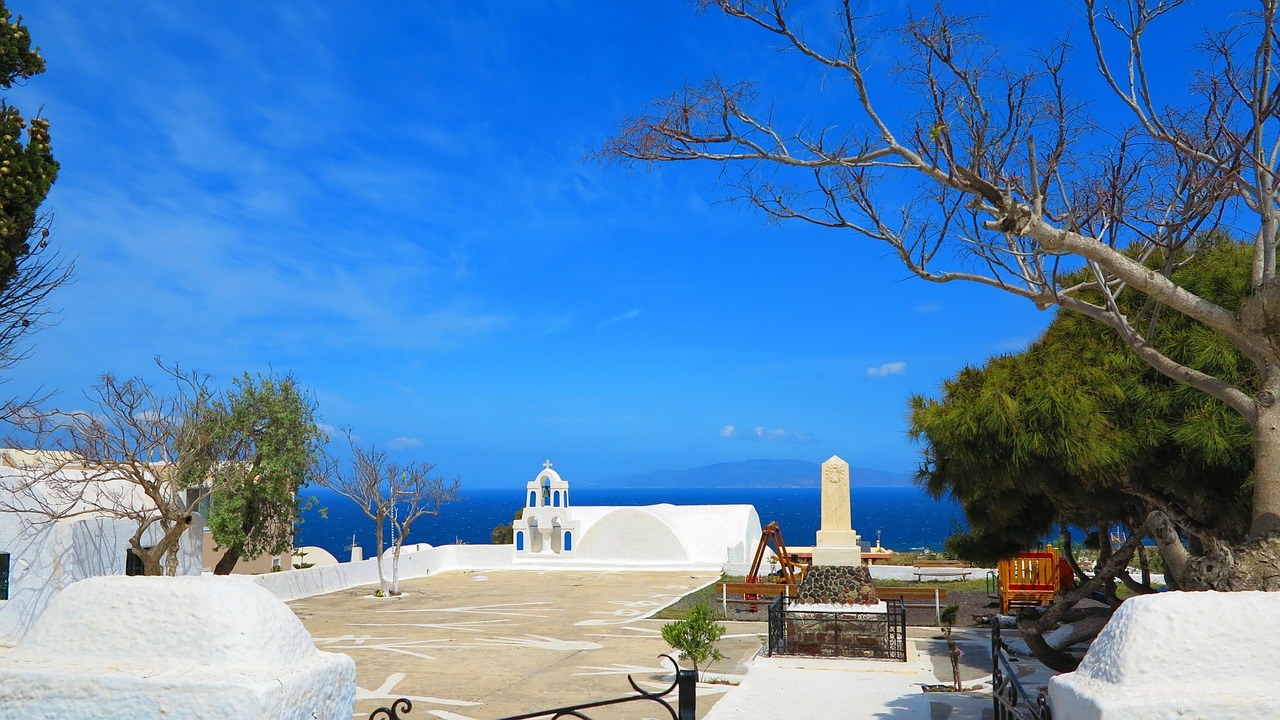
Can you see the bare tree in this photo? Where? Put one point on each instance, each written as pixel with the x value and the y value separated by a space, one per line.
pixel 24 309
pixel 391 494
pixel 1016 186
pixel 130 457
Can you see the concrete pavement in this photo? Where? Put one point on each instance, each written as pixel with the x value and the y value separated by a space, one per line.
pixel 470 645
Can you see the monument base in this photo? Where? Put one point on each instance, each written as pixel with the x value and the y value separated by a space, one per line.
pixel 838 556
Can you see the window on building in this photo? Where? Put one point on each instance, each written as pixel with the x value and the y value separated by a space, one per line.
pixel 133 563
pixel 4 576
pixel 275 563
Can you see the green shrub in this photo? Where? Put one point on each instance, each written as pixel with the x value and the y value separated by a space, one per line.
pixel 696 636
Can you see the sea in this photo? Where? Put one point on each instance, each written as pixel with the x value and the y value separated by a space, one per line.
pixel 903 518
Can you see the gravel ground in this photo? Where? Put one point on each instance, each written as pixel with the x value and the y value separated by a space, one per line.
pixel 973 604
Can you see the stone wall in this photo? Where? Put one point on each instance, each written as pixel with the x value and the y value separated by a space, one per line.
pixel 838 584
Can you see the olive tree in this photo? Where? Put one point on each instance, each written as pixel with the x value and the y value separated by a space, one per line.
pixel 262 443
pixel 1012 181
pixel 153 455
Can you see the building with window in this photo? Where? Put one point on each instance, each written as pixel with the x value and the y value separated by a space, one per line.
pixel 47 542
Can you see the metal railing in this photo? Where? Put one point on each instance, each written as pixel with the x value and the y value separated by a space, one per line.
pixel 684 685
pixel 1010 699
pixel 793 630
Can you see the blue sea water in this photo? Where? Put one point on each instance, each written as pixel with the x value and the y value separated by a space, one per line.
pixel 906 518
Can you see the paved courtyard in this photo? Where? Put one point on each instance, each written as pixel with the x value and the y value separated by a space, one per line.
pixel 479 645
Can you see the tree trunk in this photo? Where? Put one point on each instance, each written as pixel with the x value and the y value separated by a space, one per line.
pixel 395 567
pixel 1062 609
pixel 1253 565
pixel 382 579
pixel 229 560
pixel 1266 469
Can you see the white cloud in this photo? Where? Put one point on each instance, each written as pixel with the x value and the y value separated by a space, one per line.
pixel 887 369
pixel 763 434
pixel 781 435
pixel 628 315
pixel 404 443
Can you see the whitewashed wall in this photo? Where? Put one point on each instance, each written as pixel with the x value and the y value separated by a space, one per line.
pixel 45 557
pixel 204 648
pixel 414 563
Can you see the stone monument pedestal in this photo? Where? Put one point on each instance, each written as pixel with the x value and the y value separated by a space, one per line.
pixel 837 543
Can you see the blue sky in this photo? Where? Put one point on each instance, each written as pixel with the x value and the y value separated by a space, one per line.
pixel 390 201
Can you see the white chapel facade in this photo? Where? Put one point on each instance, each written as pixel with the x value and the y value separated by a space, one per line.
pixel 547 527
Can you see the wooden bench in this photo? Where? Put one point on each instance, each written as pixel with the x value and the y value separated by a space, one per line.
pixel 1029 579
pixel 922 575
pixel 916 597
pixel 943 569
pixel 751 593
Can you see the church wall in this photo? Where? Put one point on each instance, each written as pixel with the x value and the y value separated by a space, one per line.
pixel 632 535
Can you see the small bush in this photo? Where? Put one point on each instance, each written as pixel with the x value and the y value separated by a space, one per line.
pixel 696 636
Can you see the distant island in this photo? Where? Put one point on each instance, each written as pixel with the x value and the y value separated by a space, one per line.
pixel 752 474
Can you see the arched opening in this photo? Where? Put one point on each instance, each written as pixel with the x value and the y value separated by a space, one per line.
pixel 533 498
pixel 520 540
pixel 557 536
pixel 535 537
pixel 555 499
pixel 568 540
pixel 546 491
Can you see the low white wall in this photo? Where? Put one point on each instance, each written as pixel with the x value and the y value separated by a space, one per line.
pixel 1179 654
pixel 294 584
pixel 205 648
pixel 290 585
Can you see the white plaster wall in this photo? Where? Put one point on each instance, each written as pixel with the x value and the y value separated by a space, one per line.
pixel 632 535
pixel 47 556
pixel 192 647
pixel 295 584
pixel 315 555
pixel 1179 654
pixel 675 536
pixel 714 533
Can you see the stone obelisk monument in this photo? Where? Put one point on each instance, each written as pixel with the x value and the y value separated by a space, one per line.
pixel 837 541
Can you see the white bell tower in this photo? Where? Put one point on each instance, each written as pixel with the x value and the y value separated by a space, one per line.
pixel 545 529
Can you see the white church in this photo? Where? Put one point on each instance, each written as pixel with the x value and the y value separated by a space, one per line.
pixel 551 529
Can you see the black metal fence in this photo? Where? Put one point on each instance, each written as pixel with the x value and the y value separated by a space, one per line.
pixel 1009 698
pixel 793 630
pixel 684 685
